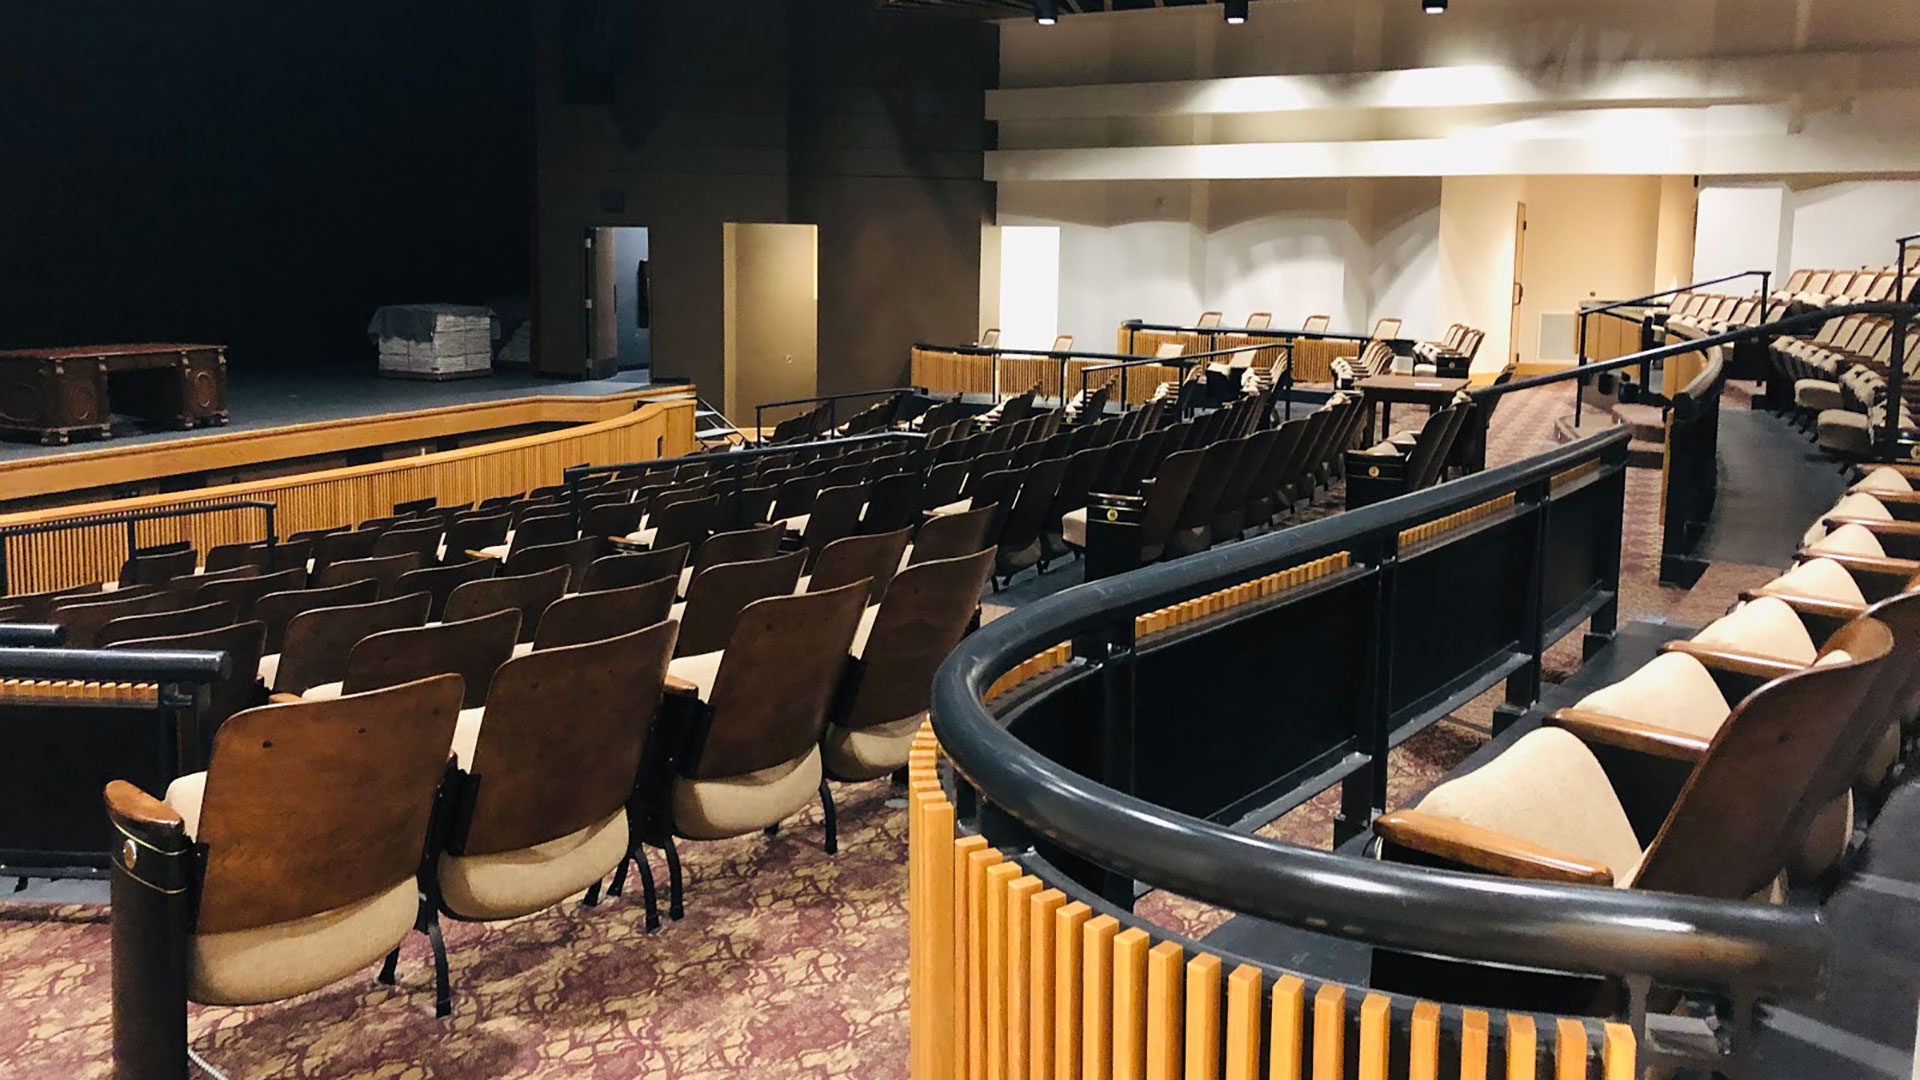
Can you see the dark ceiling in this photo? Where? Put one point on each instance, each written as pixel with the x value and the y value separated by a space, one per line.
pixel 1006 9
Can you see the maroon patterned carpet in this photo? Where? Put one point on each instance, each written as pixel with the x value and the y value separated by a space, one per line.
pixel 789 963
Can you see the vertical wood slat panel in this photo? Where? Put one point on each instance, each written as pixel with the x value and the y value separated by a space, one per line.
pixel 942 998
pixel 1243 1023
pixel 1522 1047
pixel 1570 1049
pixel 1423 1042
pixel 1041 917
pixel 1202 1037
pixel 1329 1032
pixel 1289 1028
pixel 964 927
pixel 994 966
pixel 1376 1019
pixel 919 1018
pixel 977 974
pixel 1130 949
pixel 1096 998
pixel 1166 1020
pixel 1020 896
pixel 1618 1053
pixel 1069 935
pixel 1475 1044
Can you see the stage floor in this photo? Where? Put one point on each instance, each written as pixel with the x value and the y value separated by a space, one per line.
pixel 274 399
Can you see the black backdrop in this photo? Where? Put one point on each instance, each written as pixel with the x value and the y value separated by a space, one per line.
pixel 261 175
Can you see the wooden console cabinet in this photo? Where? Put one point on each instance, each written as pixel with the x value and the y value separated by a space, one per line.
pixel 55 394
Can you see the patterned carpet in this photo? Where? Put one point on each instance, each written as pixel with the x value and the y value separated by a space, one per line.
pixel 789 963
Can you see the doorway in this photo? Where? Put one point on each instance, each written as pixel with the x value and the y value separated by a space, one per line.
pixel 1519 277
pixel 772 304
pixel 619 300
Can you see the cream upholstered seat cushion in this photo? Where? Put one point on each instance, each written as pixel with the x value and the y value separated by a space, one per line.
pixel 677 611
pixel 797 523
pixel 1844 430
pixel 1546 789
pixel 871 752
pixel 1849 540
pixel 466 733
pixel 1384 448
pixel 1767 626
pixel 736 805
pixel 1884 479
pixel 269 668
pixel 1822 579
pixel 1857 504
pixel 643 535
pixel 700 669
pixel 1073 528
pixel 268 963
pixel 509 884
pixel 959 506
pixel 522 648
pixel 1818 394
pixel 495 551
pixel 1672 691
pixel 323 692
pixel 686 578
pixel 1426 369
pixel 860 634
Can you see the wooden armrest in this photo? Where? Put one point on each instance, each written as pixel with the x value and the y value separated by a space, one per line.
pixel 1875 525
pixel 283 699
pixel 145 820
pixel 1809 605
pixel 678 685
pixel 1870 564
pixel 1485 849
pixel 1901 498
pixel 1738 661
pixel 1595 728
pixel 473 554
pixel 625 544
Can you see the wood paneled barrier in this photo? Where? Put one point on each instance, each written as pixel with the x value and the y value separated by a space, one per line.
pixel 338 496
pixel 943 372
pixel 1012 979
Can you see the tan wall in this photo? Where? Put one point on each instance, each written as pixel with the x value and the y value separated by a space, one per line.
pixel 1673 254
pixel 1476 258
pixel 772 315
pixel 1588 237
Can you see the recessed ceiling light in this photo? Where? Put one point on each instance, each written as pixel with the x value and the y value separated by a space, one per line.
pixel 1236 11
pixel 1046 12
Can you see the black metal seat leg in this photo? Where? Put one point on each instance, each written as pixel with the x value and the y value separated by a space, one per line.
pixel 675 909
pixel 442 981
pixel 390 967
pixel 826 808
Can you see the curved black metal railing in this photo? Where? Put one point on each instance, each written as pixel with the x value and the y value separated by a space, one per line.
pixel 1613 308
pixel 1088 814
pixel 132 520
pixel 1120 362
pixel 831 401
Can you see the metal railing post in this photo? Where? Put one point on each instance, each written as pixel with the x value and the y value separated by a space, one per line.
pixel 1580 361
pixel 1897 369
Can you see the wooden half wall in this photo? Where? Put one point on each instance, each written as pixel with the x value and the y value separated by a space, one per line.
pixel 331 497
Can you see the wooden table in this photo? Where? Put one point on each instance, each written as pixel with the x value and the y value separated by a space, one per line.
pixel 1381 391
pixel 55 394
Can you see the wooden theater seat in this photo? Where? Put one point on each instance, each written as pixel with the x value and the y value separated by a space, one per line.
pixel 543 800
pixel 472 649
pixel 875 559
pixel 597 616
pixel 84 616
pixel 890 677
pixel 319 641
pixel 157 565
pixel 165 623
pixel 439 582
pixel 312 819
pixel 625 571
pixel 718 595
pixel 386 571
pixel 244 643
pixel 529 594
pixel 746 743
pixel 1546 809
pixel 576 555
pixel 1395 466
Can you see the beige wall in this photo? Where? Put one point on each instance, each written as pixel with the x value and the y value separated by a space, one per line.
pixel 772 316
pixel 1476 258
pixel 1673 253
pixel 1588 237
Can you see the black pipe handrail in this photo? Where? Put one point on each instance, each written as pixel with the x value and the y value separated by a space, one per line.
pixel 1268 332
pixel 1613 308
pixel 131 519
pixel 1679 940
pixel 36 635
pixel 143 665
pixel 1073 354
pixel 1641 301
pixel 1791 325
pixel 828 400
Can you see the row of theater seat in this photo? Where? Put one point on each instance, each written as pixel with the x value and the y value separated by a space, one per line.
pixel 534 748
pixel 1731 765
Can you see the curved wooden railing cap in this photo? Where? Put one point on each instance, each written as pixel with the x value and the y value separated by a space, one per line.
pixel 1675 940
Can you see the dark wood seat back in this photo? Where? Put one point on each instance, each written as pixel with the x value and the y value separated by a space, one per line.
pixel 943 484
pixel 341 546
pixel 744 545
pixel 783 662
pixel 1027 517
pixel 276 610
pixel 565 731
pixel 687 521
pixel 152 568
pixel 191 620
pixel 282 556
pixel 925 614
pixel 438 582
pixel 1217 464
pixel 529 594
pixel 612 519
pixel 536 530
pixel 575 555
pixel 624 571
pixel 1429 454
pixel 1787 752
pixel 314 805
pixel 472 649
pixel 473 531
pixel 1166 496
pixel 875 559
pixel 1075 484
pixel 1279 468
pixel 244 643
pixel 421 540
pixel 608 613
pixel 835 515
pixel 85 617
pixel 187 586
pixel 952 535
pixel 891 502
pixel 318 642
pixel 385 571
pixel 718 595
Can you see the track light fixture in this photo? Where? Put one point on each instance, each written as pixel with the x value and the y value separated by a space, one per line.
pixel 1434 7
pixel 1046 12
pixel 1236 11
